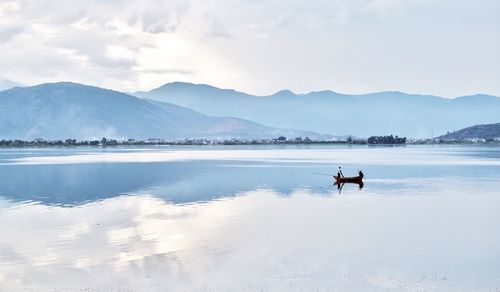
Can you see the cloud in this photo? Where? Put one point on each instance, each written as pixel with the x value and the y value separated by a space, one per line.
pixel 6 34
pixel 168 71
pixel 383 8
pixel 421 46
pixel 6 83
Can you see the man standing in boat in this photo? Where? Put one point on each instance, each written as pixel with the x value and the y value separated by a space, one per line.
pixel 339 173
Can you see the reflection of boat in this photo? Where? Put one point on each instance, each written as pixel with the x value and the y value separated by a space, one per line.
pixel 340 181
pixel 349 179
pixel 340 185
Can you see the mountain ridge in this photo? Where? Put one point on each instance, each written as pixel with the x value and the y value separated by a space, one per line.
pixel 362 115
pixel 201 85
pixel 486 131
pixel 71 110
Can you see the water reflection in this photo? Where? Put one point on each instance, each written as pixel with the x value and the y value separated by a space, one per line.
pixel 340 186
pixel 258 240
pixel 255 222
pixel 72 177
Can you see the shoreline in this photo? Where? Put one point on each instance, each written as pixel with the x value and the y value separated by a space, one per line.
pixel 319 143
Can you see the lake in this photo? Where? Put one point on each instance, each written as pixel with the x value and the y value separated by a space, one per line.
pixel 250 218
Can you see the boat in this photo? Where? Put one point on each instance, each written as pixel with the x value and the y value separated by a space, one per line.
pixel 348 179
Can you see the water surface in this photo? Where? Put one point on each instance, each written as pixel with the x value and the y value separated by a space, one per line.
pixel 249 219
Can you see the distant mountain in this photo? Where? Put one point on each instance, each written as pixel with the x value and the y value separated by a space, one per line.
pixel 490 131
pixel 207 126
pixel 329 112
pixel 70 110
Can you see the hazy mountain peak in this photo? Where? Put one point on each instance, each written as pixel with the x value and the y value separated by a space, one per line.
pixel 478 97
pixel 186 86
pixel 328 94
pixel 323 92
pixel 66 91
pixel 61 85
pixel 180 84
pixel 390 93
pixel 284 93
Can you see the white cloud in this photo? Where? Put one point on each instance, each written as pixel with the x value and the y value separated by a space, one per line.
pixel 423 46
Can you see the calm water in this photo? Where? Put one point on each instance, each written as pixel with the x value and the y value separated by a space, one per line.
pixel 250 219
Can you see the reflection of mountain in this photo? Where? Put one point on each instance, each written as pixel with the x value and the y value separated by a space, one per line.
pixel 68 110
pixel 204 179
pixel 337 114
pixel 178 182
pixel 69 184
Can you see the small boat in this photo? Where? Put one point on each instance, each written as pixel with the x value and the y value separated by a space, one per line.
pixel 348 179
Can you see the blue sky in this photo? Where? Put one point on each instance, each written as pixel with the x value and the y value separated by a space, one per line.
pixel 447 48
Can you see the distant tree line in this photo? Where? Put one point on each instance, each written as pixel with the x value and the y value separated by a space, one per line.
pixel 42 142
pixel 389 140
pixel 386 140
pixel 154 141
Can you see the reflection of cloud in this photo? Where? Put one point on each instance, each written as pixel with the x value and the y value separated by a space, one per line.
pixel 257 240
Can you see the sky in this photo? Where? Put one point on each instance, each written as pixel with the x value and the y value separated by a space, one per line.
pixel 448 47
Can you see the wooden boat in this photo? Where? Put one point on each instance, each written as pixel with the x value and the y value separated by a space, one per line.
pixel 348 179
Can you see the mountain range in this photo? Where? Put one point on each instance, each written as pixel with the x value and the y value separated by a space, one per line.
pixel 184 110
pixel 383 113
pixel 70 110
